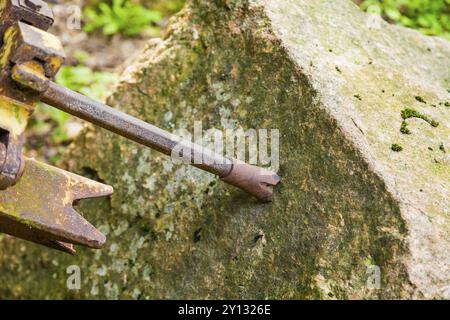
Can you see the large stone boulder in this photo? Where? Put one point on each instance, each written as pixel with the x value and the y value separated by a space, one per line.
pixel 350 211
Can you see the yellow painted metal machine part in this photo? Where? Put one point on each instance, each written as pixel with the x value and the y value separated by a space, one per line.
pixel 36 201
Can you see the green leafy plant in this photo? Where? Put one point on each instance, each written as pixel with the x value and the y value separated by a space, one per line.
pixel 122 16
pixel 432 17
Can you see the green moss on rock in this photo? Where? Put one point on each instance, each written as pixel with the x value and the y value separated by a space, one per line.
pixel 396 147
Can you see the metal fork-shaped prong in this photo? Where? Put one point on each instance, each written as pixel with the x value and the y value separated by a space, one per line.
pixel 40 208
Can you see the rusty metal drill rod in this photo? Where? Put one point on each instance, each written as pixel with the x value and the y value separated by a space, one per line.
pixel 254 180
pixel 129 127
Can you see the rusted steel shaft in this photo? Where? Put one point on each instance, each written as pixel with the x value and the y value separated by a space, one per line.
pixel 127 126
pixel 254 180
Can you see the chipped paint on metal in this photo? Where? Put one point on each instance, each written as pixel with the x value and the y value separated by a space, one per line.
pixel 13 115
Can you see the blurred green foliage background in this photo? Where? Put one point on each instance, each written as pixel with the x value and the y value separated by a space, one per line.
pixel 432 17
pixel 130 19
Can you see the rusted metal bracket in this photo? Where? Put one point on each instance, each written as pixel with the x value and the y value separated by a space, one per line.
pixel 33 12
pixel 11 161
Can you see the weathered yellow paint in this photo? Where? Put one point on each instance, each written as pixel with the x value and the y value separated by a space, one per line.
pixel 21 73
pixel 8 44
pixel 13 115
pixel 56 62
pixel 30 67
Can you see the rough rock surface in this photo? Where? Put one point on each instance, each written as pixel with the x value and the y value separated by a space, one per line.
pixel 334 81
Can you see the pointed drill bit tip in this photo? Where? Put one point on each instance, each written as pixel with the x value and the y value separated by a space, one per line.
pixel 256 181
